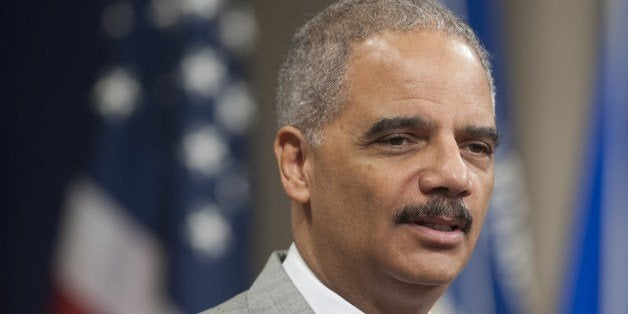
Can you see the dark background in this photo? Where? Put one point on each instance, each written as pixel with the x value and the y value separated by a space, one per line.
pixel 50 51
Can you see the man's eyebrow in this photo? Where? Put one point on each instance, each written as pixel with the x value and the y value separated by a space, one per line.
pixel 388 124
pixel 481 132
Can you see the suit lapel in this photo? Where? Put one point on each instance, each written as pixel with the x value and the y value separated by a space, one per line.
pixel 274 291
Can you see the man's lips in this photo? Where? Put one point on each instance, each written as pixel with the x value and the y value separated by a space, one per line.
pixel 438 232
pixel 440 223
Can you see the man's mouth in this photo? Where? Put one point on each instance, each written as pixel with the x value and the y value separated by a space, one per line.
pixel 437 226
pixel 445 225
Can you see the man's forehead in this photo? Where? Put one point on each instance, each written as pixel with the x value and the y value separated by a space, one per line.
pixel 407 64
pixel 402 52
pixel 388 41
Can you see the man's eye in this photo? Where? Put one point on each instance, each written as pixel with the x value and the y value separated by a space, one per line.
pixel 396 140
pixel 480 148
pixel 397 143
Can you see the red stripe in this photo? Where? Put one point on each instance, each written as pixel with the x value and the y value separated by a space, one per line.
pixel 65 303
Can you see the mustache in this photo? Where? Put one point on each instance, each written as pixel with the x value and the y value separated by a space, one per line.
pixel 452 208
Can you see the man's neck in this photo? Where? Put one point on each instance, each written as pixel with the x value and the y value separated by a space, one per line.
pixel 372 293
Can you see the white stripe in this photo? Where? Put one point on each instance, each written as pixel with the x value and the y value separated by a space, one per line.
pixel 106 259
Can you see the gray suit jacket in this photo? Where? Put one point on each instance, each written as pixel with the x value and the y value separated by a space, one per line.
pixel 272 292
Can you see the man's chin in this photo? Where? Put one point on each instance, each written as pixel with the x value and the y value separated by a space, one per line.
pixel 431 280
pixel 436 272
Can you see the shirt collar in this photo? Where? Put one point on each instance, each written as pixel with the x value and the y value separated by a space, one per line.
pixel 320 298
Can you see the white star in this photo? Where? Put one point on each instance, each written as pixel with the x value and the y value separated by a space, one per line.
pixel 237 30
pixel 117 94
pixel 204 151
pixel 206 9
pixel 235 108
pixel 203 72
pixel 209 232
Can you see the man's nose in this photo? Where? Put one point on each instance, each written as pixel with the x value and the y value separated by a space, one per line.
pixel 445 172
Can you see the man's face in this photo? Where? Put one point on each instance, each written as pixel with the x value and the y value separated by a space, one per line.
pixel 417 131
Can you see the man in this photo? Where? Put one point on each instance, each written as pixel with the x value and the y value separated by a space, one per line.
pixel 386 145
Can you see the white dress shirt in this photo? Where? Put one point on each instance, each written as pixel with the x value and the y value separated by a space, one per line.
pixel 320 298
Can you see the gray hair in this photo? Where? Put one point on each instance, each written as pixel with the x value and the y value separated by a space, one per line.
pixel 312 79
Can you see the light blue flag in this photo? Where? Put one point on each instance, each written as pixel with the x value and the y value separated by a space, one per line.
pixel 597 281
pixel 499 277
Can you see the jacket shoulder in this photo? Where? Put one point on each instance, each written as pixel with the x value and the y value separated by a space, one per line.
pixel 272 292
pixel 237 304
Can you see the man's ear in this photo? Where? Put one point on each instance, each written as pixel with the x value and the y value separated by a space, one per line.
pixel 290 152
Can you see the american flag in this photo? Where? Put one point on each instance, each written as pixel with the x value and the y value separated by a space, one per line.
pixel 158 222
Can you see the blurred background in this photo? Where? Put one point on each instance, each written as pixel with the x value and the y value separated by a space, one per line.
pixel 138 175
